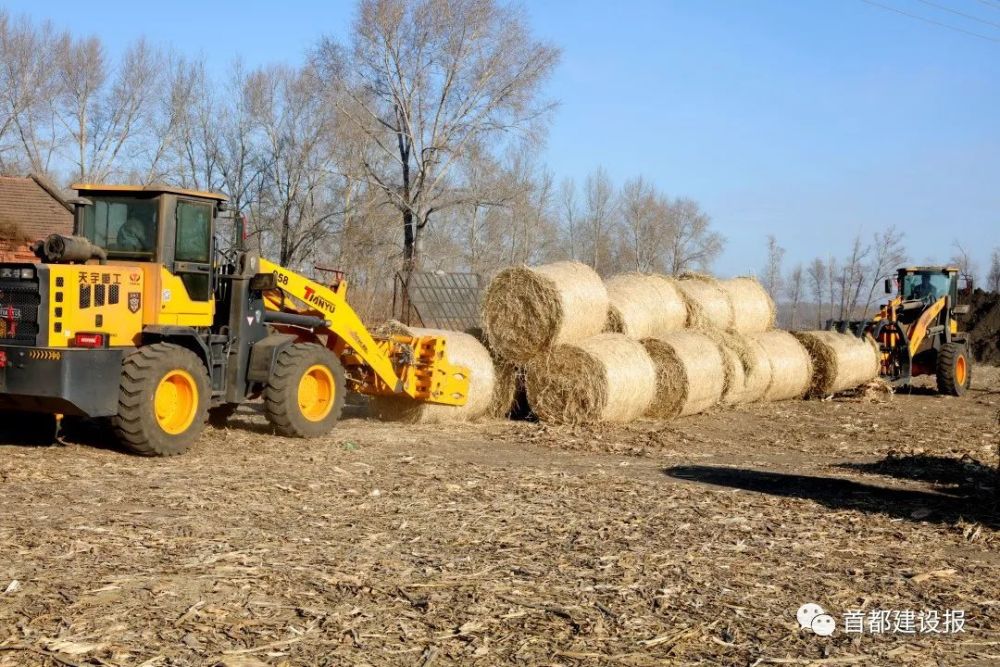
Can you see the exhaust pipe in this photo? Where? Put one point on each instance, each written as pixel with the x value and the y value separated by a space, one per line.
pixel 59 249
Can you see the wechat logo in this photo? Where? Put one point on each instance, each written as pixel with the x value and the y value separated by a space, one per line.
pixel 813 617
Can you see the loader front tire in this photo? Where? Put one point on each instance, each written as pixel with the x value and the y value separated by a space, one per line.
pixel 954 369
pixel 305 394
pixel 162 401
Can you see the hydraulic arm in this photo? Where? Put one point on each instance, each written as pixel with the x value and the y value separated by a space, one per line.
pixel 389 364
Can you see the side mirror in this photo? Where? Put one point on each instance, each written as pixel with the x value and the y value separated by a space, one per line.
pixel 263 282
pixel 888 285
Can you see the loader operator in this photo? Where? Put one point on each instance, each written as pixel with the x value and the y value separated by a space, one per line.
pixel 135 235
pixel 925 291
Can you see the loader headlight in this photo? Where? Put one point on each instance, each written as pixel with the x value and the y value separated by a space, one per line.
pixel 6 273
pixel 27 274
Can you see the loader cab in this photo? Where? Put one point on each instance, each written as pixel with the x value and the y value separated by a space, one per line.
pixel 922 288
pixel 161 229
pixel 928 283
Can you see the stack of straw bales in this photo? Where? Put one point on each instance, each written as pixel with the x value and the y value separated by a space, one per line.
pixel 585 350
pixel 548 322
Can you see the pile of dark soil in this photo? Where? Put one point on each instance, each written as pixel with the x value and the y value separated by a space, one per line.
pixel 983 323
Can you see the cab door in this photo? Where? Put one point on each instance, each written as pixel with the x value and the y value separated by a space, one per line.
pixel 187 295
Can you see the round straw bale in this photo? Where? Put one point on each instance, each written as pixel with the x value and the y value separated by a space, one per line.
pixel 791 367
pixel 840 361
pixel 528 310
pixel 461 349
pixel 708 305
pixel 508 377
pixel 690 373
pixel 738 356
pixel 606 378
pixel 747 368
pixel 747 383
pixel 642 305
pixel 753 307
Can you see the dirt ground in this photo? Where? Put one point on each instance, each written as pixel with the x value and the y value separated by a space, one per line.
pixel 692 542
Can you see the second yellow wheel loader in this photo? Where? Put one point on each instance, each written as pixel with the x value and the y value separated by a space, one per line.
pixel 917 330
pixel 140 318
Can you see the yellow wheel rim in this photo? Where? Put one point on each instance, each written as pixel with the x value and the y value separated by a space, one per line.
pixel 960 371
pixel 176 402
pixel 316 393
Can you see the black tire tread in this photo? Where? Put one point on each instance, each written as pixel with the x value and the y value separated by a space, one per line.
pixel 135 425
pixel 280 396
pixel 947 357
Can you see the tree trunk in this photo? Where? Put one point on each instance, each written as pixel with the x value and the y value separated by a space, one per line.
pixel 410 261
pixel 285 241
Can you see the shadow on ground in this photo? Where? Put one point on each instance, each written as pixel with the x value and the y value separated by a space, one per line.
pixel 964 477
pixel 967 497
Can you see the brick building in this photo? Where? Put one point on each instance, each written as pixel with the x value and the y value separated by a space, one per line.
pixel 30 209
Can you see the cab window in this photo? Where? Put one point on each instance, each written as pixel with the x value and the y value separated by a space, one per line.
pixel 194 232
pixel 124 226
pixel 926 286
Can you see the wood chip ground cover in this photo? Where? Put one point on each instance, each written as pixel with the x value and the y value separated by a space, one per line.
pixel 692 542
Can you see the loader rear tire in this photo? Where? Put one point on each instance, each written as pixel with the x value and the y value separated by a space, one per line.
pixel 954 369
pixel 305 394
pixel 162 401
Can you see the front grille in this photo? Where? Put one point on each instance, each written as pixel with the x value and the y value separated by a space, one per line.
pixel 19 304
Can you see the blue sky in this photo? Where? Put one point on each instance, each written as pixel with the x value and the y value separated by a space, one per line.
pixel 809 119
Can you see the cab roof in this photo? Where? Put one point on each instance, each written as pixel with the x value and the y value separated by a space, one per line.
pixel 930 269
pixel 155 189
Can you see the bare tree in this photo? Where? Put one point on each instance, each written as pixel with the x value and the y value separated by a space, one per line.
pixel 27 86
pixel 517 226
pixel 295 122
pixel 180 98
pixel 817 284
pixel 889 254
pixel 103 110
pixel 962 260
pixel 232 147
pixel 771 273
pixel 598 219
pixel 793 288
pixel 832 271
pixel 993 277
pixel 531 229
pixel 852 278
pixel 691 244
pixel 643 218
pixel 569 209
pixel 425 80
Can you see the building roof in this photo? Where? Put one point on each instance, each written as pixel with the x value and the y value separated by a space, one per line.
pixel 30 209
pixel 84 188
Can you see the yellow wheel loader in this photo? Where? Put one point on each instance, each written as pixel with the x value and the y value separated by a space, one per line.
pixel 140 317
pixel 917 331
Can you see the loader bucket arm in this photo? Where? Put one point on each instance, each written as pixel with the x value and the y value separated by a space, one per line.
pixel 918 330
pixel 417 367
